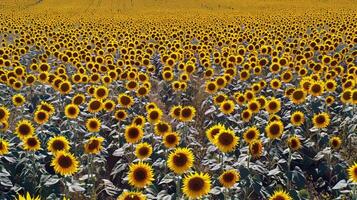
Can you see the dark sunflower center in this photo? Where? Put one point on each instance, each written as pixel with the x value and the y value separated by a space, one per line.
pixel 320 119
pixel 298 95
pixel 346 95
pixel 32 142
pixel 132 84
pixel 279 197
pixel 41 116
pixel 180 159
pixel 2 113
pixel 121 115
pixel 144 151
pixel 253 106
pixel 154 115
pixel 65 161
pixel 293 143
pixel 297 118
pixel 246 115
pixel 274 129
pixel 133 132
pixel 250 135
pixel 24 129
pixel 228 177
pixel 196 184
pixel 273 105
pixel 177 111
pixel 171 139
pixel 316 88
pixel 140 174
pixel 186 112
pixel 95 105
pixel 72 111
pixel 142 91
pixel 225 139
pixel 64 87
pixel 18 100
pixel 77 100
pixel 94 144
pixel 162 127
pixel 220 99
pixel 227 106
pixel 255 148
pixel 93 124
pixel 132 197
pixel 58 145
pixel 101 92
pixel 125 100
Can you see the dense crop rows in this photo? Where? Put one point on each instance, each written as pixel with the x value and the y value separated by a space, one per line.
pixel 178 100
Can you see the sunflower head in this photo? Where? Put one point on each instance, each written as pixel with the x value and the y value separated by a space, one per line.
pixel 227 107
pixel 171 139
pixel 95 105
pixel 280 195
pixel 71 111
pixel 213 131
pixel 273 106
pixel 196 185
pixel 297 118
pixel 229 178
pixel 18 100
pixel 187 113
pixel 65 163
pixel 226 140
pixel 335 142
pixel 58 143
pixel 125 100
pixel 175 112
pixel 140 175
pixel 4 147
pixel 24 128
pixel 294 143
pixel 4 113
pixel 180 160
pixel 321 120
pixel 31 143
pixel 27 197
pixel 352 172
pixel 252 133
pixel 133 133
pixel 93 125
pixel 274 129
pixel 143 150
pixel 120 114
pixel 93 145
pixel 132 196
pixel 256 148
pixel 154 115
pixel 161 128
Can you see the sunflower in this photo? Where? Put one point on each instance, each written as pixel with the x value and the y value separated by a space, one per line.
pixel 4 113
pixel 140 175
pixel 95 106
pixel 254 105
pixel 346 96
pixel 71 111
pixel 329 100
pixel 226 140
pixel 93 124
pixel 180 160
pixel 31 143
pixel 154 115
pixel 24 128
pixel 142 91
pixel 65 87
pixel 294 143
pixel 101 92
pixel 161 128
pixel 150 106
pixel 120 114
pixel 219 98
pixel 4 147
pixel 133 133
pixel 352 172
pixel 18 100
pixel 256 148
pixel 298 96
pixel 139 120
pixel 335 142
pixel 297 118
pixel 321 120
pixel 246 115
pixel 48 107
pixel 41 116
pixel 109 105
pixel 274 129
pixel 125 100
pixel 196 185
pixel 316 88
pixel 273 106
pixel 275 84
pixel 65 163
pixel 143 150
pixel 211 87
pixel 187 113
pixel 229 178
pixel 27 197
pixel 280 195
pixel 58 143
pixel 93 145
pixel 227 107
pixel 171 139
pixel 175 112
pixel 252 133
pixel 213 131
pixel 330 85
pixel 4 125
pixel 131 196
pixel 78 99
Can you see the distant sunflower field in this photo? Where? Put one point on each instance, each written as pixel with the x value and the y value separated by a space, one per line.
pixel 159 99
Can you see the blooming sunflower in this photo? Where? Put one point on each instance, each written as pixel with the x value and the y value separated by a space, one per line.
pixel 154 115
pixel 48 107
pixel 274 129
pixel 161 128
pixel 101 92
pixel 4 147
pixel 227 107
pixel 294 143
pixel 109 105
pixel 175 112
pixel 131 196
pixel 18 100
pixel 41 116
pixel 254 105
pixel 180 160
pixel 139 120
pixel 187 113
pixel 24 128
pixel 196 185
pixel 252 133
pixel 27 197
pixel 95 105
pixel 226 140
pixel 246 115
pixel 213 131
pixel 65 163
pixel 120 114
pixel 78 99
pixel 143 150
pixel 273 106
pixel 297 118
pixel 316 88
pixel 133 133
pixel 321 120
pixel 4 113
pixel 125 100
pixel 140 175
pixel 93 124
pixel 298 96
pixel 71 111
pixel 171 139
pixel 58 143
pixel 229 178
pixel 335 142
pixel 256 148
pixel 93 145
pixel 352 172
pixel 280 195
pixel 219 98
pixel 31 143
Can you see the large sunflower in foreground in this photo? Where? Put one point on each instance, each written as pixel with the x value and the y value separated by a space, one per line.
pixel 226 141
pixel 140 175
pixel 24 128
pixel 280 195
pixel 229 178
pixel 352 172
pixel 180 160
pixel 65 163
pixel 27 197
pixel 321 120
pixel 130 195
pixel 196 185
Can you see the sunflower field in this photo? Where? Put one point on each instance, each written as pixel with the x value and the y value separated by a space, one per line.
pixel 178 100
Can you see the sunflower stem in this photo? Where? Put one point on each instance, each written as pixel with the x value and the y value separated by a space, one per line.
pixel 289 163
